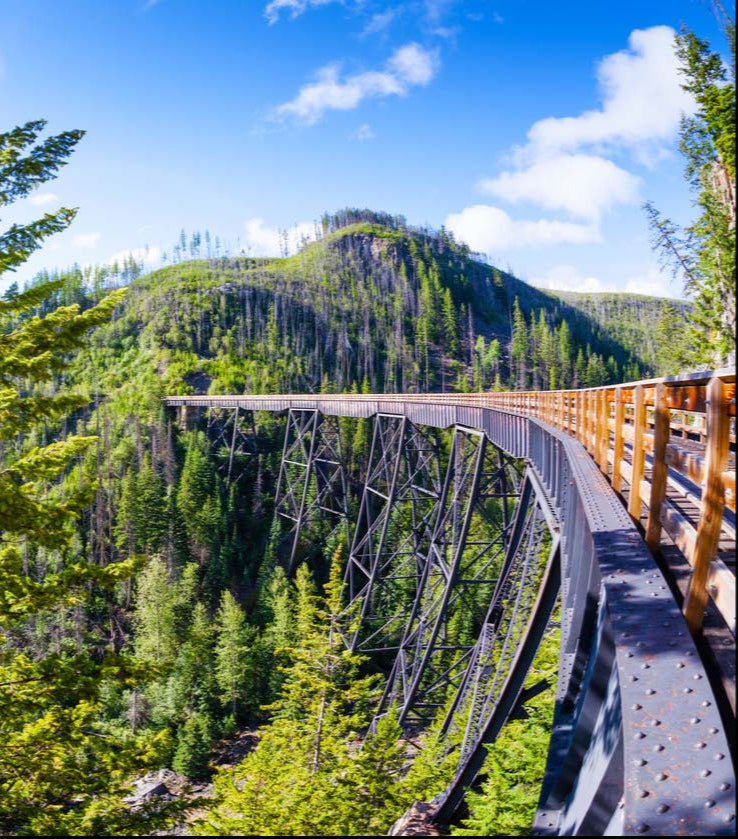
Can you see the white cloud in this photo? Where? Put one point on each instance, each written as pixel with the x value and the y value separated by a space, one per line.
pixel 653 283
pixel 413 65
pixel 40 199
pixel 567 278
pixel 86 240
pixel 149 256
pixel 363 133
pixel 642 99
pixel 380 21
pixel 409 66
pixel 565 164
pixel 268 241
pixel 489 229
pixel 584 185
pixel 294 7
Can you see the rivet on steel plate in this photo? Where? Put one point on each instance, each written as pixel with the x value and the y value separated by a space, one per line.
pixel 695 720
pixel 636 707
pixel 724 787
pixel 709 803
pixel 639 735
pixel 662 776
pixel 706 773
pixel 642 793
pixel 650 692
pixel 662 808
pixel 642 827
pixel 639 761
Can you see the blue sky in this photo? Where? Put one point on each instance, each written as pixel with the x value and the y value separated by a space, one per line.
pixel 533 130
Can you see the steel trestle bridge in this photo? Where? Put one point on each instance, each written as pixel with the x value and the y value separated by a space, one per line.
pixel 464 551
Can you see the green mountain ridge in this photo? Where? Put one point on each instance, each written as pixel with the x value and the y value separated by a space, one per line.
pixel 374 307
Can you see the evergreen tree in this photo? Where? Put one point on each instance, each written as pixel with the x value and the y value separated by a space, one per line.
pixel 60 773
pixel 234 643
pixel 704 254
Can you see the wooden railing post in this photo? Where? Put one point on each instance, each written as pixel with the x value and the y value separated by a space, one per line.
pixel 617 455
pixel 711 506
pixel 661 429
pixel 603 433
pixel 639 455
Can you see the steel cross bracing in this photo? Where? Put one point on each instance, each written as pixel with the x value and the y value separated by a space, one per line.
pixel 470 533
pixel 232 437
pixel 639 743
pixel 311 489
pixel 500 660
pixel 392 534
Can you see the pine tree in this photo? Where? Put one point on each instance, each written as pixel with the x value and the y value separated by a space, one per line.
pixel 234 643
pixel 703 255
pixel 60 772
pixel 519 347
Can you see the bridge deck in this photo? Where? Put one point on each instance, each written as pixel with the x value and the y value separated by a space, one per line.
pixel 644 689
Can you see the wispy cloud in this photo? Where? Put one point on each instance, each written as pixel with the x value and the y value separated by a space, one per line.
pixel 293 7
pixel 41 199
pixel 642 100
pixel 381 21
pixel 364 133
pixel 409 66
pixel 566 164
pixel 567 278
pixel 86 240
pixel 149 256
pixel 583 185
pixel 490 230
pixel 262 240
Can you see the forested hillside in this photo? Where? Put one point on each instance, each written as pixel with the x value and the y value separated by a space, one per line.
pixel 211 616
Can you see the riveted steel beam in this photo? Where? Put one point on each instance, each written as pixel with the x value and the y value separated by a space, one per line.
pixel 464 556
pixel 311 492
pixel 393 529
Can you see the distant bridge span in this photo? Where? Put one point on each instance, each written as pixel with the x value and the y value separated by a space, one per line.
pixel 525 512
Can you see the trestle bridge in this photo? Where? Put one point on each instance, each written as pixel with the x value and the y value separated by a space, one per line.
pixel 607 512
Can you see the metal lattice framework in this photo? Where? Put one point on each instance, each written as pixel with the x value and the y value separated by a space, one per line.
pixel 232 437
pixel 468 541
pixel 392 534
pixel 311 489
pixel 638 743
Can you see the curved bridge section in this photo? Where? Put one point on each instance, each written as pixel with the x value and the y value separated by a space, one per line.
pixel 517 516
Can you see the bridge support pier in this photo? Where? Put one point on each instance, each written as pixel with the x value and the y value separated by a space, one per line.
pixel 311 488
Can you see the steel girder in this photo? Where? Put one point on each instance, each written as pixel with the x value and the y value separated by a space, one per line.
pixel 230 438
pixel 459 574
pixel 392 533
pixel 311 488
pixel 518 614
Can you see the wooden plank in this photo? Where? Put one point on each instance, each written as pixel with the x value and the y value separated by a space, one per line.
pixel 659 468
pixel 639 455
pixel 711 507
pixel 619 447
